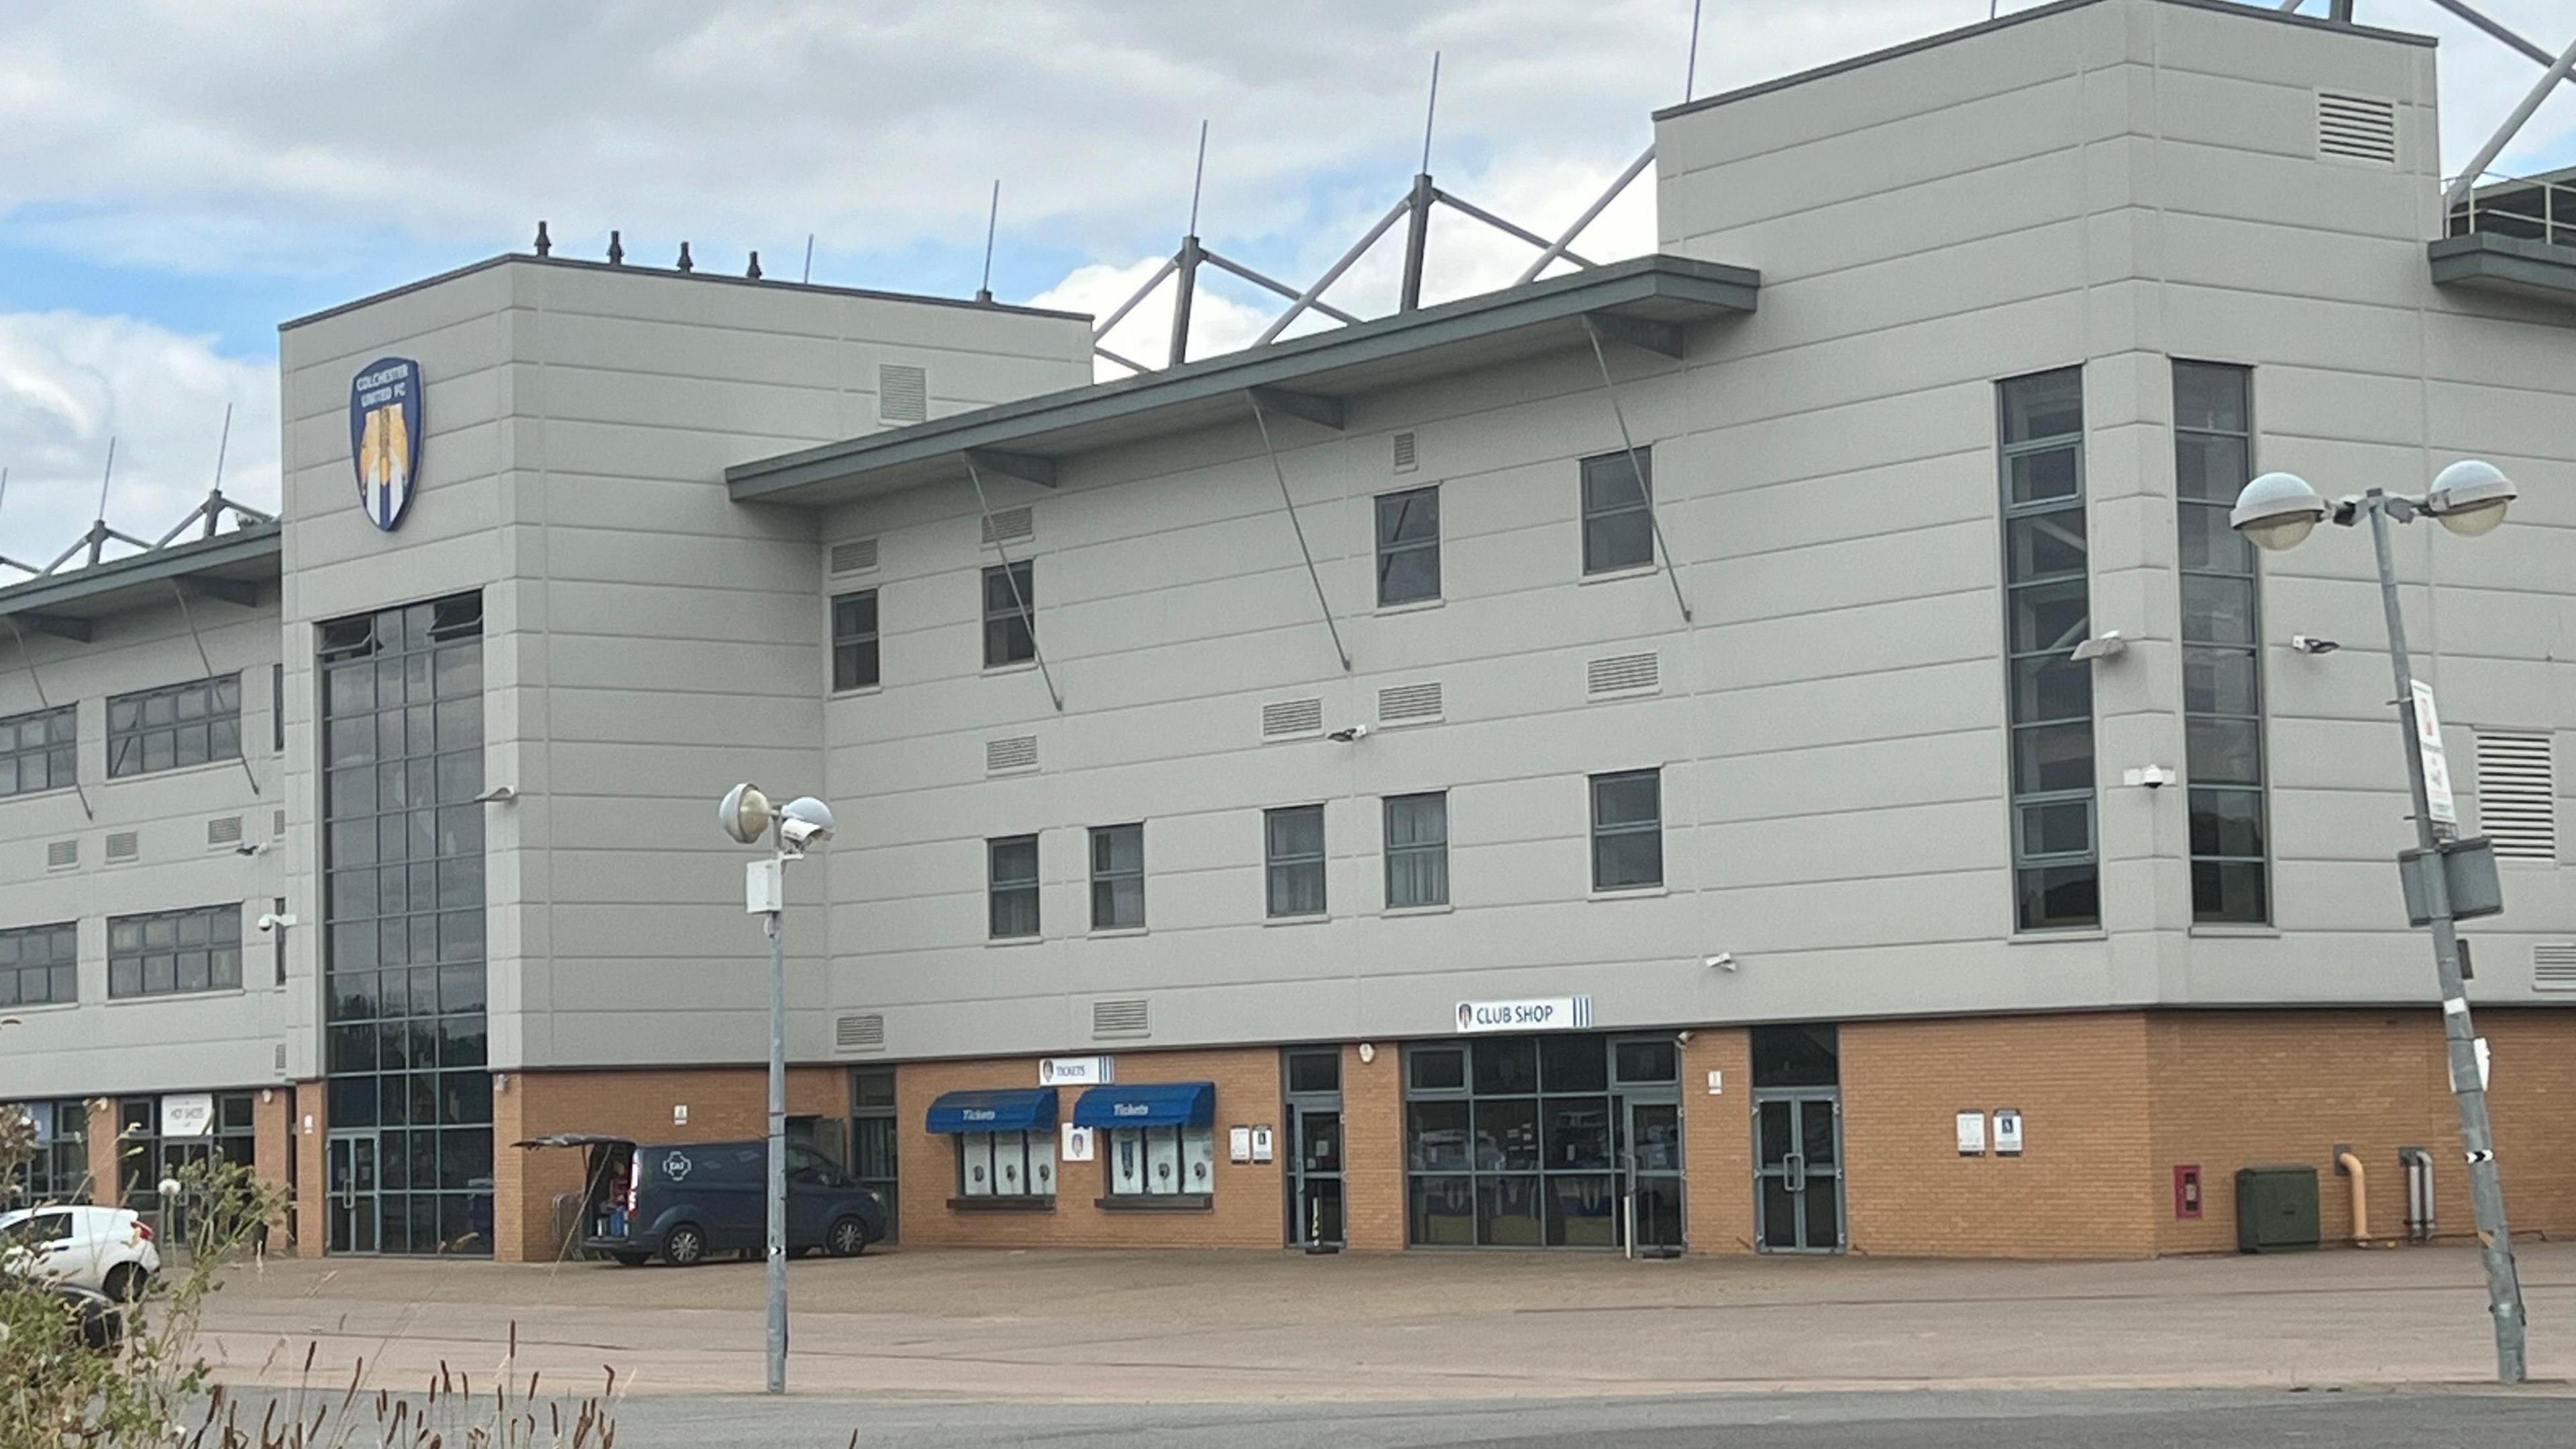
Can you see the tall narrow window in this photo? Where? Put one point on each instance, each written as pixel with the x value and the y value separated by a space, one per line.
pixel 1010 603
pixel 1618 528
pixel 1628 830
pixel 1013 863
pixel 1417 851
pixel 2222 660
pixel 277 707
pixel 1117 877
pixel 1293 855
pixel 2057 871
pixel 854 640
pixel 1408 546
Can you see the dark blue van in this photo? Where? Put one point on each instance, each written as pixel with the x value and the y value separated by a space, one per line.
pixel 682 1201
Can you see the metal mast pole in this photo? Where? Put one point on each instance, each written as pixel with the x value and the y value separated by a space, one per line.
pixel 2486 1191
pixel 778 1137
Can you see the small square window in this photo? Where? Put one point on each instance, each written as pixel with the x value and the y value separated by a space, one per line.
pixel 1013 865
pixel 1627 830
pixel 1408 546
pixel 1293 855
pixel 854 640
pixel 1618 517
pixel 1417 850
pixel 1117 877
pixel 1010 607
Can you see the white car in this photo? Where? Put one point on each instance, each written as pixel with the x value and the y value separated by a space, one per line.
pixel 107 1250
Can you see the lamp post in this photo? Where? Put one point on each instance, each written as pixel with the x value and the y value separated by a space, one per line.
pixel 2277 511
pixel 800 825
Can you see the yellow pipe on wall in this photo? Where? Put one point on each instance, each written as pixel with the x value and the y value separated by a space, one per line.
pixel 2360 1199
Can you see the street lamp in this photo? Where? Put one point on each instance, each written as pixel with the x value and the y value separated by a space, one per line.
pixel 796 827
pixel 2278 511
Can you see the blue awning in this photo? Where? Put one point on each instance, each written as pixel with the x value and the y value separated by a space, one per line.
pixel 1147 1104
pixel 1030 1109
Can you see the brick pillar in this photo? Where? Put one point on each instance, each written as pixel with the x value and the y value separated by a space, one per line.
pixel 311 1170
pixel 1717 1141
pixel 104 1180
pixel 1373 1149
pixel 273 1137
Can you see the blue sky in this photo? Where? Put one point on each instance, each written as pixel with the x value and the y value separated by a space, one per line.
pixel 176 179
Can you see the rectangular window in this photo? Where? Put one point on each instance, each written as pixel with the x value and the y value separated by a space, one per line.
pixel 1117 877
pixel 1292 851
pixel 1408 546
pixel 36 750
pixel 2048 611
pixel 854 640
pixel 1013 862
pixel 1519 1142
pixel 277 707
pixel 1006 1164
pixel 57 1170
pixel 170 953
pixel 1618 522
pixel 1417 850
pixel 1010 606
pixel 2222 655
pixel 37 965
pixel 1161 1161
pixel 174 726
pixel 1627 830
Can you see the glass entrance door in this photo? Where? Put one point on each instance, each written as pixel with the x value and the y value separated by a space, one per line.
pixel 1651 1133
pixel 1316 1216
pixel 350 1171
pixel 1798 1198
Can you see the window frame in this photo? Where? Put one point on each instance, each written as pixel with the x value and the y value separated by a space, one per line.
pixel 1032 1146
pixel 995 888
pixel 1272 863
pixel 142 731
pixel 1111 876
pixel 57 970
pixel 2251 651
pixel 1415 850
pixel 63 752
pixel 1182 1138
pixel 2032 868
pixel 1644 473
pixel 144 952
pixel 1392 546
pixel 856 644
pixel 1021 611
pixel 1623 829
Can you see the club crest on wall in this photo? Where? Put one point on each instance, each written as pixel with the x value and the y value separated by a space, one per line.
pixel 386 425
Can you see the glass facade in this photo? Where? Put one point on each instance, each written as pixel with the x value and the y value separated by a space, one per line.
pixel 59 1169
pixel 2222 653
pixel 409 1093
pixel 146 1158
pixel 1534 1141
pixel 2057 869
pixel 174 726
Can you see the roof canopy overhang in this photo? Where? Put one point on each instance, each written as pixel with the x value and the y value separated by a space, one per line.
pixel 1649 302
pixel 229 567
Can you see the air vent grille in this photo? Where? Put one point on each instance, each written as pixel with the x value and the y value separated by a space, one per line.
pixel 1408 703
pixel 2553 966
pixel 903 394
pixel 2517 795
pixel 1404 453
pixel 224 830
pixel 1119 1018
pixel 124 845
pixel 1623 674
pixel 1286 719
pixel 281 1056
pixel 860 1033
pixel 2357 128
pixel 1011 525
pixel 62 854
pixel 855 557
pixel 1019 752
pixel 277 830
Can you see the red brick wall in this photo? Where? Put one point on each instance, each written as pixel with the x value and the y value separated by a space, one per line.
pixel 311 1170
pixel 272 1139
pixel 1373 1148
pixel 1717 1141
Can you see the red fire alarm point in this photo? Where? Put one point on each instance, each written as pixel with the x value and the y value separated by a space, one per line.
pixel 2187 1189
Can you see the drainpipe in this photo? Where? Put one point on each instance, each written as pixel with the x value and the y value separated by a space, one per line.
pixel 2350 1165
pixel 2419 1192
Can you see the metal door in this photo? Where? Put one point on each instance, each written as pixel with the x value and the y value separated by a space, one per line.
pixel 350 1171
pixel 1651 1139
pixel 1797 1173
pixel 1315 1167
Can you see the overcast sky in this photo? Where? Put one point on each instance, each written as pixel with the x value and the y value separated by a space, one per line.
pixel 178 177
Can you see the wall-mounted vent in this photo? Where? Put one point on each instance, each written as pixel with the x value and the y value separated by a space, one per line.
pixel 281 1056
pixel 855 557
pixel 224 830
pixel 1404 455
pixel 2553 966
pixel 903 394
pixel 124 845
pixel 1119 1018
pixel 1618 675
pixel 1011 525
pixel 1287 719
pixel 277 828
pixel 2357 128
pixel 1408 703
pixel 1019 752
pixel 62 854
pixel 2517 795
pixel 864 1032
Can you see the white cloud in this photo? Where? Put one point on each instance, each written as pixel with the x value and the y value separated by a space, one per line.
pixel 69 382
pixel 1217 323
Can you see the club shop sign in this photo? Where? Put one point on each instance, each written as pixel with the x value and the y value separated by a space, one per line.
pixel 1553 1013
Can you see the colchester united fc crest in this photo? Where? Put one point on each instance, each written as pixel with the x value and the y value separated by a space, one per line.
pixel 385 428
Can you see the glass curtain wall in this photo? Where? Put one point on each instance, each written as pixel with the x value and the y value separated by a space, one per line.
pixel 1510 1143
pixel 402 713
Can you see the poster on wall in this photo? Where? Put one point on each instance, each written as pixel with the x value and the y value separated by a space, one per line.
pixel 1077 1143
pixel 1972 1134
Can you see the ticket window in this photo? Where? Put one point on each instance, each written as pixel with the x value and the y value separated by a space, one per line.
pixel 1161 1161
pixel 1006 1164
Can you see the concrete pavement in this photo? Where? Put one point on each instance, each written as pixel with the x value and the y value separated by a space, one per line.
pixel 1214 1328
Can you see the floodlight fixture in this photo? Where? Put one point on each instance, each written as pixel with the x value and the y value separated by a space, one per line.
pixel 744 813
pixel 2277 511
pixel 2470 496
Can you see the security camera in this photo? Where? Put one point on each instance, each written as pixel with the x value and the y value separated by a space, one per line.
pixel 272 922
pixel 2311 644
pixel 803 823
pixel 1722 961
pixel 252 848
pixel 1355 732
